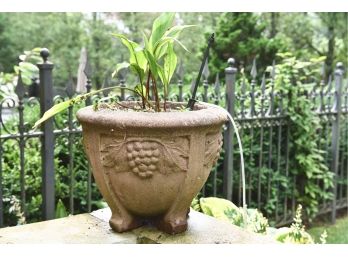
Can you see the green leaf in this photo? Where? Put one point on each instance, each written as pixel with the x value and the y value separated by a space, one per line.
pixel 176 30
pixel 181 44
pixel 162 47
pixel 22 57
pixel 64 105
pixel 61 210
pixel 318 59
pixel 53 111
pixel 100 204
pixel 170 61
pixel 146 42
pixel 162 76
pixel 26 80
pixel 120 66
pixel 136 55
pixel 135 68
pixel 221 209
pixel 27 66
pixel 152 63
pixel 160 26
pixel 36 50
pixel 141 90
pixel 168 38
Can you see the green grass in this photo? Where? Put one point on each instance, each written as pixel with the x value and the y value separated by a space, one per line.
pixel 336 233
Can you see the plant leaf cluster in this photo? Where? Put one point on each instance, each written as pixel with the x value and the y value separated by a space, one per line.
pixel 314 179
pixel 156 60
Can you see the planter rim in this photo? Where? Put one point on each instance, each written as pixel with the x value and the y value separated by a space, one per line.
pixel 203 115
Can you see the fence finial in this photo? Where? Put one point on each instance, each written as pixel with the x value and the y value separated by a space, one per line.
pixel 217 84
pixel 180 71
pixel 20 89
pixel 70 87
pixel 263 85
pixel 231 62
pixel 321 89
pixel 329 85
pixel 106 85
pixel 322 72
pixel 273 72
pixel 242 98
pixel 88 69
pixel 44 53
pixel 253 74
pixel 263 94
pixel 271 96
pixel 231 69
pixel 253 71
pixel 339 67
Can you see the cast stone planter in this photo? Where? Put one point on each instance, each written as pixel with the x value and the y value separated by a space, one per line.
pixel 149 166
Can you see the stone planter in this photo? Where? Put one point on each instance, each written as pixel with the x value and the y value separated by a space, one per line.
pixel 149 166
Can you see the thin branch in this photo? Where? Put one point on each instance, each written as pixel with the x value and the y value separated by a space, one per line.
pixel 309 43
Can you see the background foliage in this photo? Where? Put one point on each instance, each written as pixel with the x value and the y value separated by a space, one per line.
pixel 244 36
pixel 240 35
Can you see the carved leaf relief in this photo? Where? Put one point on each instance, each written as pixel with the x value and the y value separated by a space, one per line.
pixel 111 149
pixel 176 152
pixel 213 144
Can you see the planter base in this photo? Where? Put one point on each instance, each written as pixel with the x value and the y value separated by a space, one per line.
pixel 173 226
pixel 122 225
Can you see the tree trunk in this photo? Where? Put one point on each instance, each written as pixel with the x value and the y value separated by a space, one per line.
pixel 331 45
pixel 274 31
pixel 96 44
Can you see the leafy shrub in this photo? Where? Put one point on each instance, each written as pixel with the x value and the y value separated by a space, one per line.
pixel 33 176
pixel 308 179
pixel 226 210
pixel 296 233
pixel 308 163
pixel 255 222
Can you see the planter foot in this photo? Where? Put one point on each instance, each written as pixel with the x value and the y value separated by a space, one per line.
pixel 173 226
pixel 121 225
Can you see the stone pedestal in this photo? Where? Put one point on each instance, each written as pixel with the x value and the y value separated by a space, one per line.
pixel 94 228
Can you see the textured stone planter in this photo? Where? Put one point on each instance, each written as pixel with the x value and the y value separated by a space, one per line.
pixel 149 166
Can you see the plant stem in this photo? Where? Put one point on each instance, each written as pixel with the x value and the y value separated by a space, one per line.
pixel 143 99
pixel 156 94
pixel 148 85
pixel 165 97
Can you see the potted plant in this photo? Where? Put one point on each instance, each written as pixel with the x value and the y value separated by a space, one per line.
pixel 150 158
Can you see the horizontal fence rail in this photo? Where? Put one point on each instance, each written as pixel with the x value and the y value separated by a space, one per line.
pixel 61 172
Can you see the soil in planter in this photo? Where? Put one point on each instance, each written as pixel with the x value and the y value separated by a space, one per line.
pixel 132 106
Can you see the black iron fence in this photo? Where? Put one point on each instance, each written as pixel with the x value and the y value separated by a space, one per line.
pixel 256 107
pixel 263 118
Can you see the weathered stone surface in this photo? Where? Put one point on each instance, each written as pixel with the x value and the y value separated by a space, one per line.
pixel 78 229
pixel 94 229
pixel 202 229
